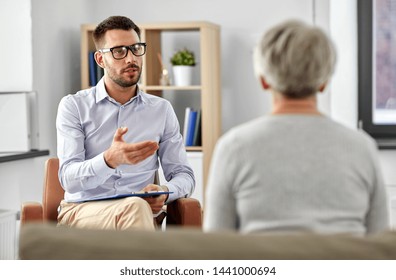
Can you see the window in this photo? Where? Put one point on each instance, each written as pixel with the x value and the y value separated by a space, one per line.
pixel 377 70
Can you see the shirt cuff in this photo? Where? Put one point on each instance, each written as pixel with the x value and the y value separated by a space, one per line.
pixel 100 167
pixel 172 196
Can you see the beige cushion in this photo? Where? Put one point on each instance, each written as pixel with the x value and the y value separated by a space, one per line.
pixel 46 241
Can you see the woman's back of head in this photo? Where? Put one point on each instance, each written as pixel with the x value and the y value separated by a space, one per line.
pixel 295 59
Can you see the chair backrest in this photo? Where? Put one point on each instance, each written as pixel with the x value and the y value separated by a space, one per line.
pixel 53 192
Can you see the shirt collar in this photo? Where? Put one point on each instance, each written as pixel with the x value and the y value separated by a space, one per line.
pixel 101 93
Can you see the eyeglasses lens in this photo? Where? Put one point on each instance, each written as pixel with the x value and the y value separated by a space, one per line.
pixel 138 49
pixel 121 52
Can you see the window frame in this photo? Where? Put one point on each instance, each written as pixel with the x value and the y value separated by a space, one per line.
pixel 384 134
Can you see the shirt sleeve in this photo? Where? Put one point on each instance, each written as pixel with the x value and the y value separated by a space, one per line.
pixel 172 153
pixel 75 173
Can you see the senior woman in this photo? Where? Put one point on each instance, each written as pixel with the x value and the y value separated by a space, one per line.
pixel 295 169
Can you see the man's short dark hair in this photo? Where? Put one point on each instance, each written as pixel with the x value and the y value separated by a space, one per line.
pixel 113 22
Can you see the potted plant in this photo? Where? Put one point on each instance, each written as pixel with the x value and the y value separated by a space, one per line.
pixel 183 62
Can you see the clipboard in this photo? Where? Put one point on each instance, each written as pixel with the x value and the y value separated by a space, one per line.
pixel 138 194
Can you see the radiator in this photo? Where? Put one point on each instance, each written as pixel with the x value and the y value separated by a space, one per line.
pixel 8 239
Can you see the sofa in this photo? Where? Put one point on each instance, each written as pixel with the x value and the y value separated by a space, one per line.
pixel 46 241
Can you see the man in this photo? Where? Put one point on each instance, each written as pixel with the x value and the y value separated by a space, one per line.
pixel 110 137
pixel 295 170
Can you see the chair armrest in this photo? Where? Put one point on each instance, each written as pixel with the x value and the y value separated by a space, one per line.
pixel 31 212
pixel 184 212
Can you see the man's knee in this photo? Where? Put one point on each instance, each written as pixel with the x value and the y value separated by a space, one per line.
pixel 137 203
pixel 135 213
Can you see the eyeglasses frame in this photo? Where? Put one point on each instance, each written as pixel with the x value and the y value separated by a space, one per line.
pixel 128 47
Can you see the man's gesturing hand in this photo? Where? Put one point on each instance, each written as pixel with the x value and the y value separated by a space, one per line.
pixel 121 152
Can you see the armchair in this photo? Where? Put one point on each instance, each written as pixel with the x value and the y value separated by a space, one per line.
pixel 185 212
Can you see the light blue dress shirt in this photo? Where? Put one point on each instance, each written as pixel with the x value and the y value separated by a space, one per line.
pixel 86 123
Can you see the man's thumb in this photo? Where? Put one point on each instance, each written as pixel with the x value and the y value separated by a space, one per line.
pixel 119 133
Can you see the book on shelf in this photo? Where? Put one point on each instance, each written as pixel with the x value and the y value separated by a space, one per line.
pixel 92 69
pixel 185 125
pixel 191 128
pixel 95 71
pixel 197 141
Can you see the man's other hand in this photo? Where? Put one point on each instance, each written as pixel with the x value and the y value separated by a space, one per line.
pixel 156 202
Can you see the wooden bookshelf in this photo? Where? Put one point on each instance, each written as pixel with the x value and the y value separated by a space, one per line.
pixel 209 75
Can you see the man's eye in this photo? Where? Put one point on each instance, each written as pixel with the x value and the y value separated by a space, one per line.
pixel 119 50
pixel 137 47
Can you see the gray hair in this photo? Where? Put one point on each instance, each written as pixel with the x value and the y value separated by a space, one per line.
pixel 295 58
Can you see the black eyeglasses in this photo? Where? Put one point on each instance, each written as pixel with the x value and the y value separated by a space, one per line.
pixel 121 52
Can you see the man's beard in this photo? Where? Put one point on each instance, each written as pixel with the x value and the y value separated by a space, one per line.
pixel 127 83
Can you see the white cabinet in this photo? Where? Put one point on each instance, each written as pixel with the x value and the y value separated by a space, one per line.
pixel 18 122
pixel 196 159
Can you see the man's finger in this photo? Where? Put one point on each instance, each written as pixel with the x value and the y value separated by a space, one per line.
pixel 145 145
pixel 140 155
pixel 119 133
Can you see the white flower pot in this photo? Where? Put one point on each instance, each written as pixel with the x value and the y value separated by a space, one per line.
pixel 182 75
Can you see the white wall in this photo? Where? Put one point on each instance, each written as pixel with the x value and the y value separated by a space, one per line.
pixel 344 92
pixel 16 50
pixel 56 57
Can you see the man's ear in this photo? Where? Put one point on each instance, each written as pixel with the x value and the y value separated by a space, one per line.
pixel 264 83
pixel 99 59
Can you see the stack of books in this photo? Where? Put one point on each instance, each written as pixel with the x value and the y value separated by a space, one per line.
pixel 192 127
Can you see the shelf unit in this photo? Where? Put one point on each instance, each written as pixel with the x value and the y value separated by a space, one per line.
pixel 209 87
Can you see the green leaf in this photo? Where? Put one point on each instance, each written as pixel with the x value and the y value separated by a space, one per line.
pixel 183 57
